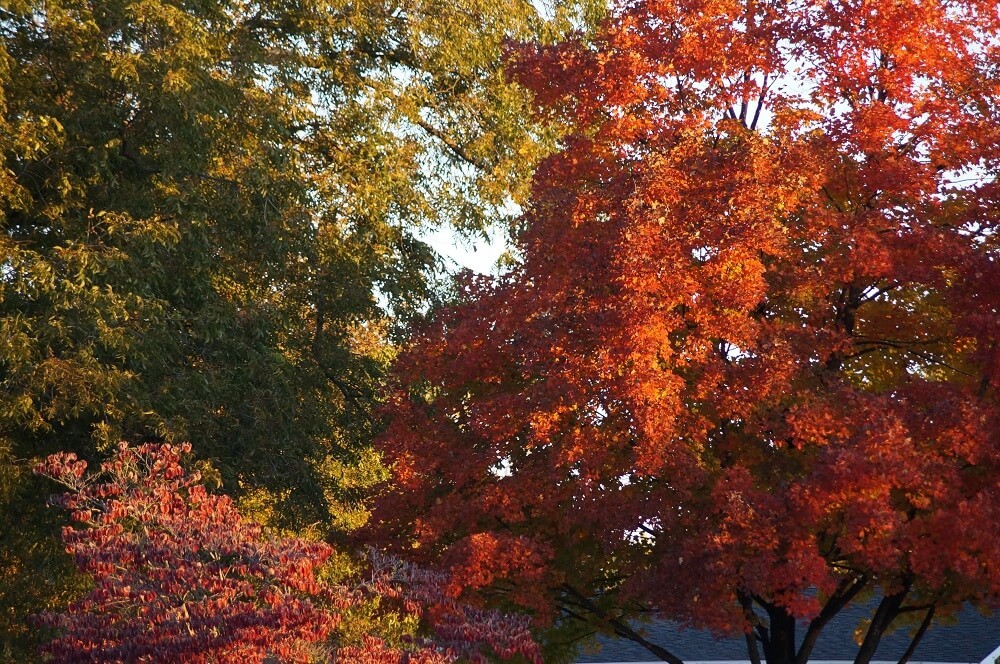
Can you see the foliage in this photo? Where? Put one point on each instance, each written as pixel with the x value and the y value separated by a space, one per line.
pixel 179 576
pixel 210 215
pixel 748 367
pixel 460 631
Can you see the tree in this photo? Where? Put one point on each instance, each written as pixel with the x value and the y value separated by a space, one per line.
pixel 747 369
pixel 179 576
pixel 209 218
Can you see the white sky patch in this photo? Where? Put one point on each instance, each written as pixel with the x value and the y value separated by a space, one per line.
pixel 645 534
pixel 502 468
pixel 478 254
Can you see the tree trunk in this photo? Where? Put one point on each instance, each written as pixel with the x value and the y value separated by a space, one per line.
pixel 779 646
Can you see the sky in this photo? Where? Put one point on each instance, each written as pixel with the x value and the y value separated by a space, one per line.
pixel 479 255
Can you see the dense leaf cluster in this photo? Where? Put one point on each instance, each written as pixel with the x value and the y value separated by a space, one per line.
pixel 179 576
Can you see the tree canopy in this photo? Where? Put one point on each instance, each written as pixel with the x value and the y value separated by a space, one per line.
pixel 210 216
pixel 747 370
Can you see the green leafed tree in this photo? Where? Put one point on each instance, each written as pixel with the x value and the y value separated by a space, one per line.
pixel 210 218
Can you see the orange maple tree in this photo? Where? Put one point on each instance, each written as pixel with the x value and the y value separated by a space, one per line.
pixel 747 368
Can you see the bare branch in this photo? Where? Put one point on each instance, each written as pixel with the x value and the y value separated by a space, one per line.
pixel 450 143
pixel 622 628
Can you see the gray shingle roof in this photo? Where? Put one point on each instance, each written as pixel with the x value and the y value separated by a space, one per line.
pixel 970 639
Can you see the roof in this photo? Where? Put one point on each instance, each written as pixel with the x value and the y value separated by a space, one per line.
pixel 970 638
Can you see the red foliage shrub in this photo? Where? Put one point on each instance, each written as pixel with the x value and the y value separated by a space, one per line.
pixel 179 576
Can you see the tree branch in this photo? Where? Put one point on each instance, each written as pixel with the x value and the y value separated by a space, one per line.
pixel 919 635
pixel 887 611
pixel 747 603
pixel 350 395
pixel 455 148
pixel 760 104
pixel 621 628
pixel 847 590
